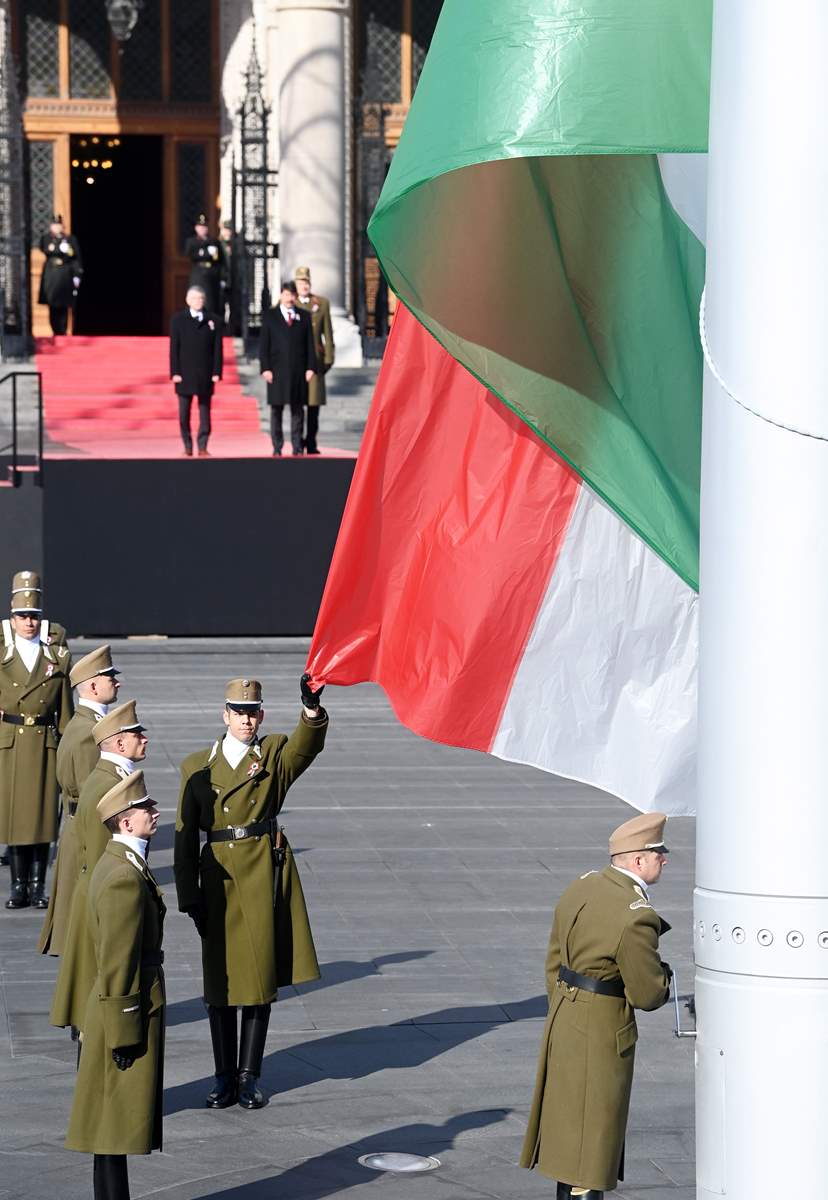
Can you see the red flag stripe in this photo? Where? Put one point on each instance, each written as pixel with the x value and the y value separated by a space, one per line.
pixel 455 519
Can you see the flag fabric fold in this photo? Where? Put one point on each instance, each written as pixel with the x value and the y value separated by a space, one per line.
pixel 518 559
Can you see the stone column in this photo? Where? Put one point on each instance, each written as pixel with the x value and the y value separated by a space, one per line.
pixel 311 41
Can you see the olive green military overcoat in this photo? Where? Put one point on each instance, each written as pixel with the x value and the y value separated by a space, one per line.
pixel 604 926
pixel 319 308
pixel 76 757
pixel 28 778
pixel 77 964
pixel 119 1112
pixel 249 949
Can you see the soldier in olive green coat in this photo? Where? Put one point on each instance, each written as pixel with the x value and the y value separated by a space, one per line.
pixel 35 708
pixel 319 308
pixel 121 741
pixel 94 679
pixel 602 964
pixel 119 1091
pixel 243 892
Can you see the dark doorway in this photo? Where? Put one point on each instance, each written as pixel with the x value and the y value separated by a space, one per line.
pixel 117 218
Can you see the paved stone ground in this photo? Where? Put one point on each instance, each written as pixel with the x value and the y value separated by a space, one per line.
pixel 430 875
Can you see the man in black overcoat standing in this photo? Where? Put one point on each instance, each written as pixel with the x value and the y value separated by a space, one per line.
pixel 287 360
pixel 195 365
pixel 62 273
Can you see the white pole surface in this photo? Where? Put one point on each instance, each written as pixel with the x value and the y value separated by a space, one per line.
pixel 761 905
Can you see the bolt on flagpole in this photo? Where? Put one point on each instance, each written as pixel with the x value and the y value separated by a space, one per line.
pixel 761 901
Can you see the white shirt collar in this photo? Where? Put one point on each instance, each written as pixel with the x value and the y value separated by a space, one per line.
pixel 287 311
pixel 139 845
pixel 633 876
pixel 28 650
pixel 234 750
pixel 197 314
pixel 100 709
pixel 120 760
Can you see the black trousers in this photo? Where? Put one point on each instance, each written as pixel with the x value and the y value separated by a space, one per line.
pixel 297 427
pixel 110 1180
pixel 184 405
pixel 58 318
pixel 312 427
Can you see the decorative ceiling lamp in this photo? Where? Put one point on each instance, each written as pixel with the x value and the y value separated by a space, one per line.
pixel 123 17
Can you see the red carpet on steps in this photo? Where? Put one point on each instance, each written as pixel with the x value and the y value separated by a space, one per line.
pixel 111 397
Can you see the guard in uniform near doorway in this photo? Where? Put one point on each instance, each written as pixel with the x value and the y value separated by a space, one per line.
pixel 62 273
pixel 231 299
pixel 207 263
pixel 287 361
pixel 35 708
pixel 195 365
pixel 117 1109
pixel 602 964
pixel 319 308
pixel 122 743
pixel 96 683
pixel 243 892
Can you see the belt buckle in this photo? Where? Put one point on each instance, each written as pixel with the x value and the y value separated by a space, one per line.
pixel 239 832
pixel 28 720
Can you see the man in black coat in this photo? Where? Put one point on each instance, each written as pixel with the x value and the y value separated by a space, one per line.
pixel 287 359
pixel 195 365
pixel 207 263
pixel 62 273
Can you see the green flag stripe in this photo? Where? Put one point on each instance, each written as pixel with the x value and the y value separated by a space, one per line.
pixel 565 281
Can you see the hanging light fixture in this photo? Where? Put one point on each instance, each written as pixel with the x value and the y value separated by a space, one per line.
pixel 123 17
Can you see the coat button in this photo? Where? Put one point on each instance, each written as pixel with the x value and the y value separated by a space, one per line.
pixel 226 808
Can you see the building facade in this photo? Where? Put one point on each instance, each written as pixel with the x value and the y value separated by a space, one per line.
pixel 281 115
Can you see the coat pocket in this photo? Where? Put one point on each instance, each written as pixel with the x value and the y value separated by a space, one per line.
pixel 7 733
pixel 626 1038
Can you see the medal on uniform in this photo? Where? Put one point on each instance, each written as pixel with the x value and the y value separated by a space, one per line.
pixel 252 769
pixel 50 670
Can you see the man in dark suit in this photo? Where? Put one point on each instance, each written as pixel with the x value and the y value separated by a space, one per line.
pixel 195 365
pixel 288 363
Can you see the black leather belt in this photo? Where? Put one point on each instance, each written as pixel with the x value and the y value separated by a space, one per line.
pixel 13 719
pixel 238 833
pixel 153 960
pixel 603 987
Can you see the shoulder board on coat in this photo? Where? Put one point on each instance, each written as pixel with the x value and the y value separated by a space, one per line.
pixel 214 750
pixel 587 874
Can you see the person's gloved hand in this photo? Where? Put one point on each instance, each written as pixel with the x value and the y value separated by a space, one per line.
pixel 310 698
pixel 667 969
pixel 198 915
pixel 124 1057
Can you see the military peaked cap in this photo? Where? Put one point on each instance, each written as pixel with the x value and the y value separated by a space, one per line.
pixel 302 273
pixel 243 693
pixel 27 593
pixel 127 793
pixel 123 719
pixel 644 832
pixel 96 662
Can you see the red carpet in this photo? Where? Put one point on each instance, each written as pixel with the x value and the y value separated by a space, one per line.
pixel 111 397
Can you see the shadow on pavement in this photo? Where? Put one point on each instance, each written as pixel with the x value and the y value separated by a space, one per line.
pixel 182 1012
pixel 336 1171
pixel 356 1053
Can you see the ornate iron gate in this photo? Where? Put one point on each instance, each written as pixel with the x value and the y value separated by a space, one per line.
pixel 252 183
pixel 15 340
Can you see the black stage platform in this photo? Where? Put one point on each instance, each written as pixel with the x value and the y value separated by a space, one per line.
pixel 179 547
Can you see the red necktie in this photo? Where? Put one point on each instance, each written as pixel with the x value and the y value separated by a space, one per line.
pixel 290 319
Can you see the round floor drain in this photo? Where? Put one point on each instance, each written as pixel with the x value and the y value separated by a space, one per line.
pixel 403 1164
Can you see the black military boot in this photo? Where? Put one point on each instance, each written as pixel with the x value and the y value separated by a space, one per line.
pixel 19 894
pixel 254 1023
pixel 37 875
pixel 565 1192
pixel 224 1038
pixel 110 1180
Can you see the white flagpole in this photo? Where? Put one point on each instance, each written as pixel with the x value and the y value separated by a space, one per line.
pixel 761 904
